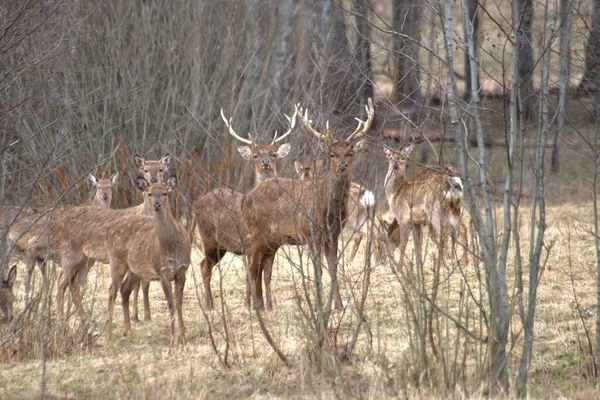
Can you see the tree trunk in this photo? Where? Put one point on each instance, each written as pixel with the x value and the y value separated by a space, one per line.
pixel 286 16
pixel 406 82
pixel 363 49
pixel 525 55
pixel 473 15
pixel 591 76
pixel 339 85
pixel 565 74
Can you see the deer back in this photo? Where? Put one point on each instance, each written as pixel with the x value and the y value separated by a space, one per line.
pixel 219 222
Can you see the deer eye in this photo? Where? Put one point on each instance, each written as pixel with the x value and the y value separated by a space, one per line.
pixel 332 155
pixel 165 194
pixel 351 155
pixel 149 194
pixel 255 156
pixel 160 170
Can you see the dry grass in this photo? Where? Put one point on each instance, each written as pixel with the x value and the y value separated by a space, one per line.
pixel 143 365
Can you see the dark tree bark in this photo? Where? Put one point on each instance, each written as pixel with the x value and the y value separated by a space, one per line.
pixel 473 15
pixel 525 55
pixel 339 83
pixel 363 49
pixel 286 15
pixel 405 22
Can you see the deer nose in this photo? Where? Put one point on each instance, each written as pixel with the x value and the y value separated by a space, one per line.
pixel 153 180
pixel 265 162
pixel 157 206
pixel 342 166
pixel 105 196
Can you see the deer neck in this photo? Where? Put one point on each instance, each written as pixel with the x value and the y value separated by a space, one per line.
pixel 338 189
pixel 394 179
pixel 263 175
pixel 166 228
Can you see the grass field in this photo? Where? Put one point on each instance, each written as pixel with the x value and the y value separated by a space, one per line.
pixel 144 366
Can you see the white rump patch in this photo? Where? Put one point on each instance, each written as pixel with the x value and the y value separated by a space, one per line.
pixel 367 199
pixel 458 182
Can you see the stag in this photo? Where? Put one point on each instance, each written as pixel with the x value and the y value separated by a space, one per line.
pixel 217 214
pixel 432 199
pixel 311 213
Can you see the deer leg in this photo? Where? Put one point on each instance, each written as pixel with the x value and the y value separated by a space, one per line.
pixel 70 264
pixel 462 238
pixel 136 292
pixel 179 286
pixel 212 256
pixel 355 243
pixel 254 280
pixel 404 229
pixel 331 254
pixel 418 238
pixel 29 265
pixel 166 285
pixel 268 260
pixel 146 293
pixel 131 280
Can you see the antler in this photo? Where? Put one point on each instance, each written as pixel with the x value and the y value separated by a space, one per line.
pixel 308 125
pixel 365 124
pixel 292 122
pixel 232 132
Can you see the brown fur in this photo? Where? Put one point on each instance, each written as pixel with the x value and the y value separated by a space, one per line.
pixel 422 201
pixel 153 171
pixel 287 211
pixel 356 225
pixel 29 232
pixel 7 297
pixel 152 248
pixel 218 216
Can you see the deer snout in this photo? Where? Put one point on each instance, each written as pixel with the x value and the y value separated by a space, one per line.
pixel 153 180
pixel 342 166
pixel 105 196
pixel 265 163
pixel 157 206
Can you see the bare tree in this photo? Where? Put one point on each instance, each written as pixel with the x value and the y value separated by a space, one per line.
pixel 591 77
pixel 524 45
pixel 363 48
pixel 286 15
pixel 405 22
pixel 472 10
pixel 565 74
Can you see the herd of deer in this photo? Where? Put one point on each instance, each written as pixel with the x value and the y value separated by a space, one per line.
pixel 146 243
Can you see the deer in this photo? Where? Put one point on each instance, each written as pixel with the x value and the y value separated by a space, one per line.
pixel 28 233
pixel 6 294
pixel 360 203
pixel 153 171
pixel 432 199
pixel 287 211
pixel 151 248
pixel 217 214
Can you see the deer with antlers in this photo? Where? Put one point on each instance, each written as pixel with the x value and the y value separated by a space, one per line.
pixel 153 171
pixel 361 205
pixel 432 198
pixel 29 231
pixel 312 213
pixel 217 214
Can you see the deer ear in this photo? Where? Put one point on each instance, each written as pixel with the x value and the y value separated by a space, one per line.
pixel 12 276
pixel 298 167
pixel 318 165
pixel 172 183
pixel 166 160
pixel 359 145
pixel 245 152
pixel 94 179
pixel 284 150
pixel 138 161
pixel 408 151
pixel 141 184
pixel 115 178
pixel 386 151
